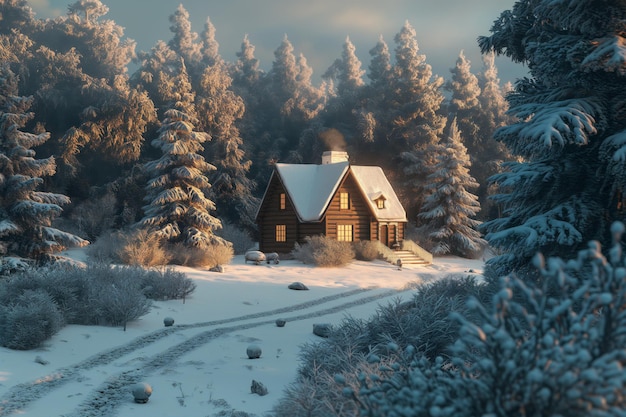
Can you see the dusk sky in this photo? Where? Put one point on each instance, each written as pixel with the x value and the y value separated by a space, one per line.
pixel 317 28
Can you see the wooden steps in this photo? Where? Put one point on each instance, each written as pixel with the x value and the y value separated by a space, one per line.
pixel 409 258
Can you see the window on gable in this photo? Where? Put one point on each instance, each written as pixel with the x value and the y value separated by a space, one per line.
pixel 344 201
pixel 281 233
pixel 283 201
pixel 380 203
pixel 344 233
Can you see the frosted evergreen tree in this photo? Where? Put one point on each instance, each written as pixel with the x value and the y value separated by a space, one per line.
pixel 489 154
pixel 221 109
pixel 413 100
pixel 26 214
pixel 185 41
pixel 449 211
pixel 178 209
pixel 346 72
pixel 463 104
pixel 372 118
pixel 336 125
pixel 569 131
pixel 210 46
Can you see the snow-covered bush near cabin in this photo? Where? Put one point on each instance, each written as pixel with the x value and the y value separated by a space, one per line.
pixel 323 251
pixel 28 320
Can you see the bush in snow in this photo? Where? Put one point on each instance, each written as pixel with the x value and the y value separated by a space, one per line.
pixel 366 250
pixel 165 284
pixel 143 249
pixel 357 349
pixel 218 253
pixel 28 320
pixel 323 251
pixel 533 351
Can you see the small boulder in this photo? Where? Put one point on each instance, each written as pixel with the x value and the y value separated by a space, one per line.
pixel 298 286
pixel 168 321
pixel 254 352
pixel 41 360
pixel 322 329
pixel 280 322
pixel 217 268
pixel 142 392
pixel 258 388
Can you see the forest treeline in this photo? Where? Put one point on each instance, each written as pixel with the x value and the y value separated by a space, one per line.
pixel 102 120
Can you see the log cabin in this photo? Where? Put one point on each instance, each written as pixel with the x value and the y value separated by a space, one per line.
pixel 335 199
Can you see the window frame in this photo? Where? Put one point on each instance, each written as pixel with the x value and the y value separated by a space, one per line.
pixel 283 201
pixel 280 233
pixel 345 231
pixel 344 201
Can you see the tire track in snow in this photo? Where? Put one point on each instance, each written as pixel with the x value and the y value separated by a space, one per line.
pixel 105 399
pixel 20 395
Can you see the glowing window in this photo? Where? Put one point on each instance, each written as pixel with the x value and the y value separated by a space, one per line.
pixel 283 201
pixel 281 233
pixel 380 203
pixel 344 201
pixel 344 232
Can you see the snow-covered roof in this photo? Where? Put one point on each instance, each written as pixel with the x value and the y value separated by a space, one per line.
pixel 311 187
pixel 375 185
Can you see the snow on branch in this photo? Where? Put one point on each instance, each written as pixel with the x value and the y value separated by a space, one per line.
pixel 561 122
pixel 609 55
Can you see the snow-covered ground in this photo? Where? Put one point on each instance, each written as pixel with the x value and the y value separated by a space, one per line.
pixel 199 366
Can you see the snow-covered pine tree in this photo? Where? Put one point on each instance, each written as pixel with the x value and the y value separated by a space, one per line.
pixel 448 212
pixel 220 109
pixel 26 214
pixel 464 89
pixel 179 209
pixel 570 130
pixel 412 104
pixel 488 154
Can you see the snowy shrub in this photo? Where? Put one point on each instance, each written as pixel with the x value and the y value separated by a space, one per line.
pixel 200 256
pixel 115 295
pixel 338 376
pixel 106 247
pixel 531 351
pixel 144 249
pixel 240 238
pixel 366 250
pixel 324 252
pixel 552 352
pixel 165 284
pixel 28 320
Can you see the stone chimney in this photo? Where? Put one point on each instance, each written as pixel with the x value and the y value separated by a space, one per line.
pixel 332 157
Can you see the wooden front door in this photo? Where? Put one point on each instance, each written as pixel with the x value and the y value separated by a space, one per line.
pixel 384 235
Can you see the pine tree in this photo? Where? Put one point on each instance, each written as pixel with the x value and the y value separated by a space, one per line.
pixel 178 210
pixel 221 109
pixel 413 101
pixel 449 209
pixel 464 103
pixel 184 42
pixel 569 131
pixel 26 214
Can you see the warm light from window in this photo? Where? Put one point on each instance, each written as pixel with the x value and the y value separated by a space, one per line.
pixel 344 201
pixel 283 201
pixel 281 233
pixel 344 232
pixel 380 203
